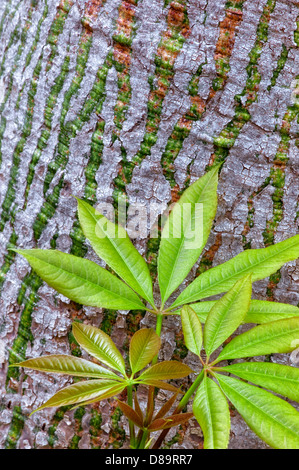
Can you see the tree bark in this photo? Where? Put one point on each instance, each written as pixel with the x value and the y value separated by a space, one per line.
pixel 103 98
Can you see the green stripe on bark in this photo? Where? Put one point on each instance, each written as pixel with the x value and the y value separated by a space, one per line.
pixel 227 137
pixel 9 198
pixel 16 428
pixel 171 43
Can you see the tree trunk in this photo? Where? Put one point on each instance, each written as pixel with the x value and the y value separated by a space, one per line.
pixel 101 98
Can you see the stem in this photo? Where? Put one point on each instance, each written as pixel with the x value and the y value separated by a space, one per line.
pixel 159 324
pixel 158 331
pixel 179 408
pixel 131 424
pixel 143 439
pixel 190 392
pixel 151 390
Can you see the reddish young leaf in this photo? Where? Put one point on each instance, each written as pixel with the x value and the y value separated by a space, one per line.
pixel 144 346
pixel 167 406
pixel 160 384
pixel 165 370
pixel 137 407
pixel 130 413
pixel 171 421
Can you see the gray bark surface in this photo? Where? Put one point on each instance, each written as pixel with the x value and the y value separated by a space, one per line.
pixel 105 97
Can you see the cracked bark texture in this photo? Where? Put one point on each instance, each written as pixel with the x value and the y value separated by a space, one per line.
pixel 100 98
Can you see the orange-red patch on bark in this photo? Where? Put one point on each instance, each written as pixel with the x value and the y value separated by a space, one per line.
pixel 199 102
pixel 92 8
pixel 121 54
pixel 227 34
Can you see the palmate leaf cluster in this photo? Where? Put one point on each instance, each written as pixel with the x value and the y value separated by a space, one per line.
pixel 270 417
pixel 129 287
pixel 105 383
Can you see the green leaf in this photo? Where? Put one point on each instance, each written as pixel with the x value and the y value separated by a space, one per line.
pixel 192 330
pixel 69 365
pixel 111 392
pixel 279 336
pixel 263 311
pixel 144 346
pixel 81 280
pixel 112 244
pixel 271 418
pixel 99 345
pixel 211 411
pixel 260 262
pixel 227 314
pixel 80 392
pixel 179 248
pixel 260 311
pixel 276 377
pixel 165 370
pixel 130 413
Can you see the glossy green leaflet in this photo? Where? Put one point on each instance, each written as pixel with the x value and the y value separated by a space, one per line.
pixel 270 417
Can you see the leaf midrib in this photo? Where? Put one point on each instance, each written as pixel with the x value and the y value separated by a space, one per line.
pixel 104 353
pixel 263 375
pixel 182 241
pixel 62 400
pixel 77 372
pixel 90 282
pixel 259 341
pixel 190 299
pixel 198 350
pixel 115 390
pixel 144 347
pixel 149 375
pixel 220 323
pixel 209 412
pixel 122 258
pixel 259 409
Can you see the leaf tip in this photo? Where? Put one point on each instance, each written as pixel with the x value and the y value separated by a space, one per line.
pixel 79 201
pixel 75 325
pixel 37 409
pixel 16 250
